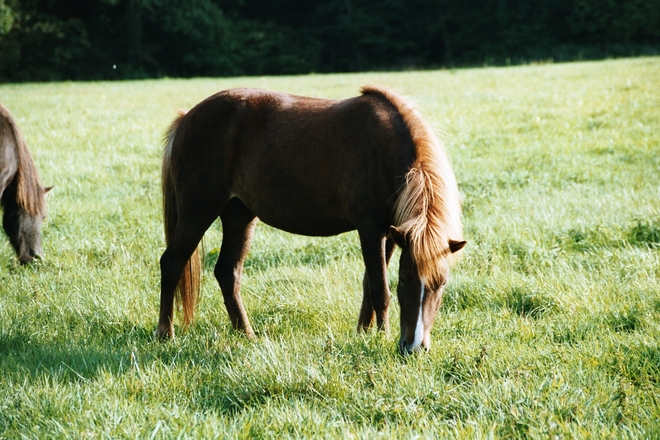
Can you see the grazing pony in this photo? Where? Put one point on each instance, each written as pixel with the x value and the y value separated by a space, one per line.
pixel 21 194
pixel 313 167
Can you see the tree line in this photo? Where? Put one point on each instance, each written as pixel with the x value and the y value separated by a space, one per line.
pixel 43 40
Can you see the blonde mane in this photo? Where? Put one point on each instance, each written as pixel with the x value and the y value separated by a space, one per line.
pixel 29 191
pixel 428 208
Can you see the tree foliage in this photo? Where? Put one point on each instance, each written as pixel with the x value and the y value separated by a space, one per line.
pixel 106 39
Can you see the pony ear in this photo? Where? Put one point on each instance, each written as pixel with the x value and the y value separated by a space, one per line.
pixel 48 189
pixel 455 246
pixel 398 236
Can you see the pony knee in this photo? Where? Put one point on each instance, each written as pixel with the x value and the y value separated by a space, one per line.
pixel 380 302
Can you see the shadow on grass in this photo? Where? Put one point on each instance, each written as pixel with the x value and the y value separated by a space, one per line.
pixel 71 360
pixel 330 371
pixel 204 369
pixel 638 362
pixel 643 233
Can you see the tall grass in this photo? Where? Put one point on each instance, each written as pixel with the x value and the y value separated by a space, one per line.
pixel 549 326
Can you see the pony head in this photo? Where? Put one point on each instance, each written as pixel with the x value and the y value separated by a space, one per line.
pixel 419 298
pixel 24 229
pixel 426 225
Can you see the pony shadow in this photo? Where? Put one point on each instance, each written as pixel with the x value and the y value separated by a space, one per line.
pixel 71 361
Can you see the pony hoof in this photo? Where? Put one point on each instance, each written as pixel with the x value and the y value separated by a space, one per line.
pixel 249 334
pixel 164 334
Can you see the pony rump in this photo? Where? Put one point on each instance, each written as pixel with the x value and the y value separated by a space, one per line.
pixel 428 208
pixel 29 190
pixel 187 291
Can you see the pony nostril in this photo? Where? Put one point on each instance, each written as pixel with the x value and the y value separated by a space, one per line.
pixel 407 349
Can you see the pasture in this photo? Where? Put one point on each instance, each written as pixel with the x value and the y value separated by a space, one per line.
pixel 550 324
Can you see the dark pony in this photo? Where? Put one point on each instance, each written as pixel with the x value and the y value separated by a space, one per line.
pixel 313 167
pixel 21 194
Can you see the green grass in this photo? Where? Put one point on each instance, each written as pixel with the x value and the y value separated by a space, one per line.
pixel 549 326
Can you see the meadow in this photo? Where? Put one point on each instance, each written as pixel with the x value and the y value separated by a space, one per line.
pixel 550 324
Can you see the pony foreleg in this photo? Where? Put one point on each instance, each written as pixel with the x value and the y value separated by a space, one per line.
pixel 376 297
pixel 367 312
pixel 238 224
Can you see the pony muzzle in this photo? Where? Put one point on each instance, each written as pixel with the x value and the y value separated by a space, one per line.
pixel 406 348
pixel 415 339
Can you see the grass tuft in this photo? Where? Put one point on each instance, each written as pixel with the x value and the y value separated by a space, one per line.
pixel 645 233
pixel 529 304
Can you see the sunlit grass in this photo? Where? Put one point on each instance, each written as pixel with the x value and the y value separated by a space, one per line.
pixel 549 325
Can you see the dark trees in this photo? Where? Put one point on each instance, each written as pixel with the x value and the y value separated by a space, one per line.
pixel 106 39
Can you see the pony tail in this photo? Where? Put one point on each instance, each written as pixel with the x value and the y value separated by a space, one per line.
pixel 187 290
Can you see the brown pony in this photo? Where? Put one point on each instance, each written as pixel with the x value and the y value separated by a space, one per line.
pixel 21 194
pixel 312 167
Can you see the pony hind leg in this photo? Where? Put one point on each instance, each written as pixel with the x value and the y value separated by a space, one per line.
pixel 376 251
pixel 238 224
pixel 181 251
pixel 367 311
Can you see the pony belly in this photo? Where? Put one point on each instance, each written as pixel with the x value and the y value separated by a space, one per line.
pixel 310 225
pixel 299 215
pixel 312 230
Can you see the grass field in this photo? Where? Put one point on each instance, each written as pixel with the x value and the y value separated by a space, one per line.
pixel 550 325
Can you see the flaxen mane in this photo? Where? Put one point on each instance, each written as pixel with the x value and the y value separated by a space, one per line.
pixel 29 192
pixel 428 208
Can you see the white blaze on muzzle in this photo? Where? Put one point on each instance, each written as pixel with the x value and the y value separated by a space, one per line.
pixel 419 328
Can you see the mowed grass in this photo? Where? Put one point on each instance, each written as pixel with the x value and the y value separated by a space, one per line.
pixel 549 326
